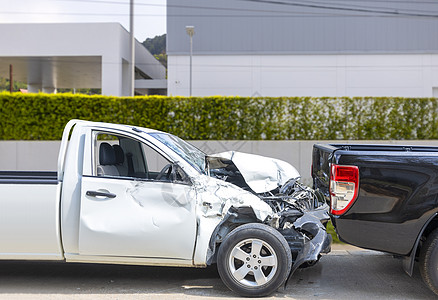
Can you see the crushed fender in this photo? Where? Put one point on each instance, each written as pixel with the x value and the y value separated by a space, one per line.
pixel 297 211
pixel 302 219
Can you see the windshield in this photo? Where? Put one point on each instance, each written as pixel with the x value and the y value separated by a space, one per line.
pixel 188 152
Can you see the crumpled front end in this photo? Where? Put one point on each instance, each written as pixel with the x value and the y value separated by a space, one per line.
pixel 302 216
pixel 295 211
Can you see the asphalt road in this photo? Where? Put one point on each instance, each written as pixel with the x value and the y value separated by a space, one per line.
pixel 344 274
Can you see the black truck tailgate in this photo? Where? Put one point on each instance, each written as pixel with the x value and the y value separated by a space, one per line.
pixel 398 192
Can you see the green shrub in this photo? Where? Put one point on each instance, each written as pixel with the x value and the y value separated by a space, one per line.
pixel 43 116
pixel 332 232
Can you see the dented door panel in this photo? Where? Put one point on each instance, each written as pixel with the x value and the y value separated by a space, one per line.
pixel 144 219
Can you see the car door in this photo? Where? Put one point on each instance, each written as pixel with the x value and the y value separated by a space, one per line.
pixel 140 214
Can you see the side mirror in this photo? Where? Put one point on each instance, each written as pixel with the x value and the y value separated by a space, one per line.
pixel 178 175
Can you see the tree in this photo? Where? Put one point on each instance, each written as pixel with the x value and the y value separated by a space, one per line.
pixel 162 58
pixel 156 45
pixel 4 85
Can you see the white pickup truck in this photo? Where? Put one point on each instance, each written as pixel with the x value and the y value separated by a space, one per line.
pixel 131 195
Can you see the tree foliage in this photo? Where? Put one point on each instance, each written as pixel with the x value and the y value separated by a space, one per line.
pixel 156 45
pixel 162 58
pixel 17 85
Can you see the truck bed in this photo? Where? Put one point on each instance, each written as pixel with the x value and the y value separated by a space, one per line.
pixel 29 208
pixel 398 192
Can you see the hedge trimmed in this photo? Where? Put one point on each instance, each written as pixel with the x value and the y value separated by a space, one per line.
pixel 43 116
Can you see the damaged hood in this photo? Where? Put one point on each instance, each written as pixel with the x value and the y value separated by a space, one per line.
pixel 262 174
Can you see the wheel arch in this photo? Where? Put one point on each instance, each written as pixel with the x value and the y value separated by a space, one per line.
pixel 428 227
pixel 235 217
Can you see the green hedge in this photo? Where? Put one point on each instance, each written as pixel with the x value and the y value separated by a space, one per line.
pixel 43 116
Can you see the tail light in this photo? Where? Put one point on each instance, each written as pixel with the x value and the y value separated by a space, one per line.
pixel 344 186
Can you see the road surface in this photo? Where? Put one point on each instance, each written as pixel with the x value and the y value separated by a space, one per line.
pixel 346 273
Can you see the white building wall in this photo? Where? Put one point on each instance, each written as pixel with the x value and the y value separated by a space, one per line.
pixel 74 55
pixel 404 75
pixel 43 155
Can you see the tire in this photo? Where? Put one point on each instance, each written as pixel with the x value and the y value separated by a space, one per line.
pixel 429 261
pixel 254 260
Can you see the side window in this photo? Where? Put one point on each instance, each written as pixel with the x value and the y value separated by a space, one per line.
pixel 106 159
pixel 161 169
pixel 155 161
pixel 134 161
pixel 120 156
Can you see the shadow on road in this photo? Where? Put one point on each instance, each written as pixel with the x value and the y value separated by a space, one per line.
pixel 334 277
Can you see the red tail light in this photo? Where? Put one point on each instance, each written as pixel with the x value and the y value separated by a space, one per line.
pixel 344 186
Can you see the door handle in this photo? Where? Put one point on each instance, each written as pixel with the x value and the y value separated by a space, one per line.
pixel 100 194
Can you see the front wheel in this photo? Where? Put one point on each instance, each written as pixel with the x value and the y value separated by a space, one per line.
pixel 254 260
pixel 429 261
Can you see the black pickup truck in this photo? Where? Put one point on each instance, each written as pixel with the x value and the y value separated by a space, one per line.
pixel 383 197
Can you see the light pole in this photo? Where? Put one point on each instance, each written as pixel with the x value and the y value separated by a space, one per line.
pixel 191 31
pixel 132 42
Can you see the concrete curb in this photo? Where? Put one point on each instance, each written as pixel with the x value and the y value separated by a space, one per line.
pixel 345 249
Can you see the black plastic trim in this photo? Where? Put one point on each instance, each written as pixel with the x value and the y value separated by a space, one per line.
pixel 28 177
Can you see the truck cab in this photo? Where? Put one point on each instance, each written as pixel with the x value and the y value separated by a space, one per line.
pixel 129 195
